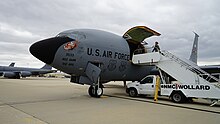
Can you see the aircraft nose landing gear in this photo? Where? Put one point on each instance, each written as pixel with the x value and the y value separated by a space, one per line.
pixel 95 91
pixel 93 73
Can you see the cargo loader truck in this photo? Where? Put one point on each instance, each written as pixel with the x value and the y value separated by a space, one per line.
pixel 179 79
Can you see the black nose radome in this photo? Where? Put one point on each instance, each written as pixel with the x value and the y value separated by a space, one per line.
pixel 45 50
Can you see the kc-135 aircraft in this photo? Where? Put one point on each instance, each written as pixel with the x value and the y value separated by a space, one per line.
pixel 95 57
pixel 18 72
pixel 212 69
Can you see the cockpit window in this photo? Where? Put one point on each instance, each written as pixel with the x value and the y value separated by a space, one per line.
pixel 62 35
pixel 72 34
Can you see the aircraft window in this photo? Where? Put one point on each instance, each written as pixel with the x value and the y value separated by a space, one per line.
pixel 148 80
pixel 62 35
pixel 73 34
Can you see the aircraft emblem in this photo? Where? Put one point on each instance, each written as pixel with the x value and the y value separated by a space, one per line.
pixel 112 65
pixel 71 45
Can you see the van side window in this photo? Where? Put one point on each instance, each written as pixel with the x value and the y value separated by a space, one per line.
pixel 148 80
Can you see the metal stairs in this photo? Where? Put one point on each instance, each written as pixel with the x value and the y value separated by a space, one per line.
pixel 192 67
pixel 183 71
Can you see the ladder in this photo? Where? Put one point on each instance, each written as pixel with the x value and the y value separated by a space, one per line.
pixel 183 71
pixel 192 67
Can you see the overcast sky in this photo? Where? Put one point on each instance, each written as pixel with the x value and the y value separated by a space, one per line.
pixel 23 22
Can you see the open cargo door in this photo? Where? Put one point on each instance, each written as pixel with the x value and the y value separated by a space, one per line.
pixel 137 34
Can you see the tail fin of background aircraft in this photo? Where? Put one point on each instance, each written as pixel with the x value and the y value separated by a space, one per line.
pixel 46 66
pixel 194 53
pixel 12 64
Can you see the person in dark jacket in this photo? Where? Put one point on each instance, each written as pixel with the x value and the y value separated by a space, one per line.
pixel 156 47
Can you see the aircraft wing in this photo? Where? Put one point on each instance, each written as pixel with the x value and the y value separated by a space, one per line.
pixel 139 33
pixel 211 68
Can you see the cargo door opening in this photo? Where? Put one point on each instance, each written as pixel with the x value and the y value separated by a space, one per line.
pixel 135 36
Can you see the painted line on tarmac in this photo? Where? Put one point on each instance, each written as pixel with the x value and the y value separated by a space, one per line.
pixel 28 114
pixel 165 104
pixel 30 102
pixel 33 101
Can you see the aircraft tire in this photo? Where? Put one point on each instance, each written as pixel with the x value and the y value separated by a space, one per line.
pixel 95 92
pixel 90 91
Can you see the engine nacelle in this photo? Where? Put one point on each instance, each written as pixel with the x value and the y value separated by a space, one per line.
pixel 25 73
pixel 9 74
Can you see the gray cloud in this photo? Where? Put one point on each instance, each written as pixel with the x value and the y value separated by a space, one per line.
pixel 23 22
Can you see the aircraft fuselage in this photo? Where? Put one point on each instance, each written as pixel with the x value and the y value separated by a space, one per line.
pixel 83 46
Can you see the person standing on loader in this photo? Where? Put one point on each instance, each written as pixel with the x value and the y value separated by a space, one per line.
pixel 156 47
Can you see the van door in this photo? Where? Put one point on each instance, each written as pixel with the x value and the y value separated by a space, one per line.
pixel 147 85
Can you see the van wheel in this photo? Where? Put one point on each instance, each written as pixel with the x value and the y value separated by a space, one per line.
pixel 132 92
pixel 178 97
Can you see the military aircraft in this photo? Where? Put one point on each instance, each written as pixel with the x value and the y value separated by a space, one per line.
pixel 194 53
pixel 95 57
pixel 212 69
pixel 18 72
pixel 12 64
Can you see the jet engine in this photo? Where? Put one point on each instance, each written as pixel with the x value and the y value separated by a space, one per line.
pixel 25 73
pixel 9 74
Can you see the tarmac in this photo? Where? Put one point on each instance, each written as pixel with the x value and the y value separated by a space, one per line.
pixel 57 101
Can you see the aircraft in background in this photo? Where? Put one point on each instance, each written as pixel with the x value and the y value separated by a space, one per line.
pixel 18 72
pixel 95 57
pixel 12 64
pixel 194 53
pixel 212 69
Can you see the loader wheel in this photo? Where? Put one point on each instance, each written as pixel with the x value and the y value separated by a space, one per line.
pixel 178 97
pixel 132 92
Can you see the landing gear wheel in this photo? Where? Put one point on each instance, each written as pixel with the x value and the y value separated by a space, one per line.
pixel 94 91
pixel 91 91
pixel 132 92
pixel 178 97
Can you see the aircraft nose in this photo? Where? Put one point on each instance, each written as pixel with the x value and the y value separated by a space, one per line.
pixel 45 50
